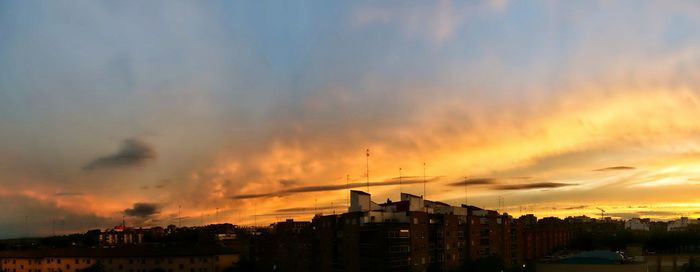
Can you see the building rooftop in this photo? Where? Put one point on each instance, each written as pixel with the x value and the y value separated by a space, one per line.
pixel 594 257
pixel 117 252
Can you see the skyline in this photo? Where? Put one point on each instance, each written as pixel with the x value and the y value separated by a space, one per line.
pixel 159 110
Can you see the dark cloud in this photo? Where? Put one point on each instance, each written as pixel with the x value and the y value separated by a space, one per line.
pixel 133 152
pixel 483 181
pixel 528 186
pixel 576 207
pixel 474 182
pixel 142 210
pixel 616 168
pixel 310 209
pixel 333 187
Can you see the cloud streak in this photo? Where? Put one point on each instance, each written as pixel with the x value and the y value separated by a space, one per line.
pixel 615 168
pixel 335 187
pixel 531 186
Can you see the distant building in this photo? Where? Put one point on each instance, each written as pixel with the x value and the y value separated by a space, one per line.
pixel 681 224
pixel 119 259
pixel 121 236
pixel 637 224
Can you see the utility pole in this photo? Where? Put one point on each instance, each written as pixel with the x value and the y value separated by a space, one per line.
pixel 347 186
pixel 179 216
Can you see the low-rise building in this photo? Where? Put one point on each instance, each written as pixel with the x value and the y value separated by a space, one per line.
pixel 637 224
pixel 124 259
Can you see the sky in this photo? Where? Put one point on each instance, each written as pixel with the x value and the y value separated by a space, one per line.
pixel 249 112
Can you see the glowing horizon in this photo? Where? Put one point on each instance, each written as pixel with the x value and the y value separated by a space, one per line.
pixel 257 112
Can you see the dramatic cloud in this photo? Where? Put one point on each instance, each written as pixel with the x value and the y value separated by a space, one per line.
pixel 335 187
pixel 133 152
pixel 529 186
pixel 237 121
pixel 142 210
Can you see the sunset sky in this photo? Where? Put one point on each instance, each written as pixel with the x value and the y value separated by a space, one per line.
pixel 260 110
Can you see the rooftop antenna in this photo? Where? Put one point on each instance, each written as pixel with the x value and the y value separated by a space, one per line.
pixel 367 170
pixel 369 197
pixel 424 194
pixel 400 182
pixel 466 202
pixel 500 199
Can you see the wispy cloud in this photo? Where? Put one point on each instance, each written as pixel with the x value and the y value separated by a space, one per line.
pixel 474 182
pixel 530 186
pixel 334 187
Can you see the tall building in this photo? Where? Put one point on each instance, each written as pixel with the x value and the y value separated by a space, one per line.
pixel 412 234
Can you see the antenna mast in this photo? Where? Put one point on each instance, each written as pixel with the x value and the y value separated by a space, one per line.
pixel 369 197
pixel 347 186
pixel 367 170
pixel 465 191
pixel 400 182
pixel 424 194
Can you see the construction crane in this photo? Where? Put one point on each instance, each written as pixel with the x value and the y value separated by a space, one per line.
pixel 602 213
